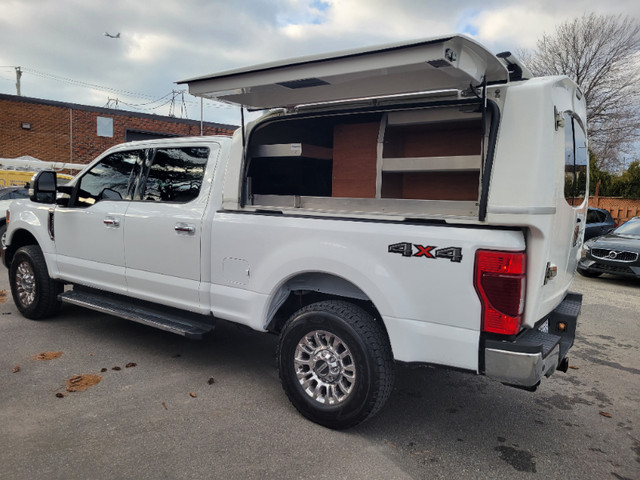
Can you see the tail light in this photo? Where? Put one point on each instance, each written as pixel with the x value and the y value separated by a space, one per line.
pixel 500 283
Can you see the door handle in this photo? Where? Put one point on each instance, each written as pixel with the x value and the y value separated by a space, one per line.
pixel 185 228
pixel 111 222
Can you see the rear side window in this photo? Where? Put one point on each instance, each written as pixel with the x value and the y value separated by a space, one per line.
pixel 576 159
pixel 595 216
pixel 173 175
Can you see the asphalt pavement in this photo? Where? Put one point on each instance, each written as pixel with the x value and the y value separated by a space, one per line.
pixel 158 406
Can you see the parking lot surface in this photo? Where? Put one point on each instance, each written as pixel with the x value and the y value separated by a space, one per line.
pixel 159 406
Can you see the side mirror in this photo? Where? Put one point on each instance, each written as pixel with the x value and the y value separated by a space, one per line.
pixel 43 187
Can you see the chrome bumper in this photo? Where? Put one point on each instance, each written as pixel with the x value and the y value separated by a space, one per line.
pixel 524 369
pixel 534 354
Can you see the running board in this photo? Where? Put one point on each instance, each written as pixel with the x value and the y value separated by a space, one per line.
pixel 187 324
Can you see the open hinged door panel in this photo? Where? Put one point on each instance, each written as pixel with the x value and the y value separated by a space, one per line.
pixel 452 62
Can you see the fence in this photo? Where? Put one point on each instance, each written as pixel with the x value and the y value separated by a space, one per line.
pixel 621 209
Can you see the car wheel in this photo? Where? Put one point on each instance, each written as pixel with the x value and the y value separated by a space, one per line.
pixel 3 233
pixel 34 292
pixel 335 363
pixel 588 273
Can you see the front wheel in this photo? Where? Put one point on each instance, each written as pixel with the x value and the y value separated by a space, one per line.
pixel 34 292
pixel 335 363
pixel 3 233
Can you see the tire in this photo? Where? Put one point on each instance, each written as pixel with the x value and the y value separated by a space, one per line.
pixel 588 273
pixel 34 292
pixel 335 364
pixel 3 233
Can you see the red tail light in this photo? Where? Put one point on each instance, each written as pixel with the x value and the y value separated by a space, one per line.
pixel 500 283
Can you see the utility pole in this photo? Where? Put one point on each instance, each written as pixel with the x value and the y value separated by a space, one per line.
pixel 18 76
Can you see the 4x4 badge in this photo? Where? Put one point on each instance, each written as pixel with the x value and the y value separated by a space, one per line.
pixel 407 249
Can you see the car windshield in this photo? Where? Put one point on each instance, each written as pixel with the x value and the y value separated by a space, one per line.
pixel 632 227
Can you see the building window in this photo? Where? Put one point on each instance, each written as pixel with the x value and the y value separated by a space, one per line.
pixel 105 127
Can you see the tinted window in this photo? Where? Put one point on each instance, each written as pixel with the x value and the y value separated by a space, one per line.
pixel 113 178
pixel 174 175
pixel 581 156
pixel 576 159
pixel 595 216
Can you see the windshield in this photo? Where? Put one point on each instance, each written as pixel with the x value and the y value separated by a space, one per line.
pixel 632 227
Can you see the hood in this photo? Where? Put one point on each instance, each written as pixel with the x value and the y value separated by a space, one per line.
pixel 612 241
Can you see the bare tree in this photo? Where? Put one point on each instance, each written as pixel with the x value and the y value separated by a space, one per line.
pixel 602 54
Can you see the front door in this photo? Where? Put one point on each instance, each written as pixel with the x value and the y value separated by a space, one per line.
pixel 89 236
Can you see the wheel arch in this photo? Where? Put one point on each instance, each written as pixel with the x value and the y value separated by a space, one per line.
pixel 20 238
pixel 305 288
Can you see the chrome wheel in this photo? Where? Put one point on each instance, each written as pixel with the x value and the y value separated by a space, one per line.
pixel 26 283
pixel 325 367
pixel 34 292
pixel 335 363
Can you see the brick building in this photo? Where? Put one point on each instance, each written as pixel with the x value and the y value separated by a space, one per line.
pixel 66 132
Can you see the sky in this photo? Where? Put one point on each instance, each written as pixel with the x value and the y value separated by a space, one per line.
pixel 64 54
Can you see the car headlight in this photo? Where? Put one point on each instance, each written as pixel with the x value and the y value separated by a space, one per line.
pixel 586 247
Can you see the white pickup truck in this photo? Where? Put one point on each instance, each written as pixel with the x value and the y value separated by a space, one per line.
pixel 406 203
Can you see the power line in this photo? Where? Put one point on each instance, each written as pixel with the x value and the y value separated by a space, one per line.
pixel 116 101
pixel 148 103
pixel 80 83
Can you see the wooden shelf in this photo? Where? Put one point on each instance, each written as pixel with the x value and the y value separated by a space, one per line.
pixel 458 163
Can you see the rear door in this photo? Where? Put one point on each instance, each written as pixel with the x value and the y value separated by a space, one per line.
pixel 598 224
pixel 164 226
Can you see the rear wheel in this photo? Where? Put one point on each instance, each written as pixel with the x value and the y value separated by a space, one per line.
pixel 335 363
pixel 34 292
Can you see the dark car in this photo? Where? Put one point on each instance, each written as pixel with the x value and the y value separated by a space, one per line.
pixel 12 193
pixel 617 253
pixel 7 195
pixel 599 222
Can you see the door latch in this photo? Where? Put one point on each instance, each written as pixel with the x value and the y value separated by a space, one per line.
pixel 551 272
pixel 111 222
pixel 185 228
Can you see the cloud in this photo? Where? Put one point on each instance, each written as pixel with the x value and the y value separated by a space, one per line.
pixel 168 40
pixel 518 25
pixel 148 47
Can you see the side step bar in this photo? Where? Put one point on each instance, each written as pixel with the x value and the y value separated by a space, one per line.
pixel 187 324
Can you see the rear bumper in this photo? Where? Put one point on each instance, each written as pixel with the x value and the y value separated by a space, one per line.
pixel 534 353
